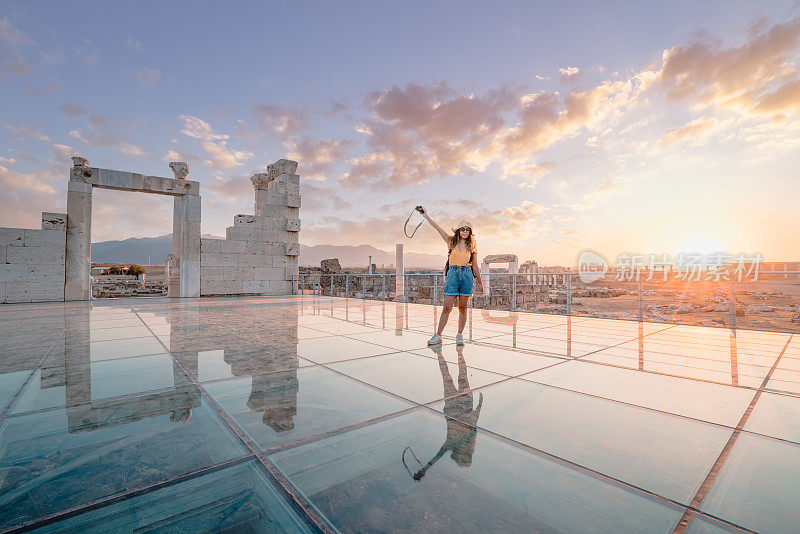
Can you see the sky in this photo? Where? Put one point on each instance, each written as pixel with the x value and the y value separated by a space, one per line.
pixel 554 128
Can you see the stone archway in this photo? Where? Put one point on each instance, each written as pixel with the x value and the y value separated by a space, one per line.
pixel 185 223
pixel 510 259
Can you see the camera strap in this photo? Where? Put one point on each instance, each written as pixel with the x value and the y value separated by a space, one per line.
pixel 406 225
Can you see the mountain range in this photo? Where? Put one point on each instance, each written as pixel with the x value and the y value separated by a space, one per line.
pixel 140 249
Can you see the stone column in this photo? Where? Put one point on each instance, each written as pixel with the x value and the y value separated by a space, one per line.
pixel 190 247
pixel 400 288
pixel 487 280
pixel 260 183
pixel 177 245
pixel 79 235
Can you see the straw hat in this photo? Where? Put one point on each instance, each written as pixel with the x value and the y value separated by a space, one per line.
pixel 462 224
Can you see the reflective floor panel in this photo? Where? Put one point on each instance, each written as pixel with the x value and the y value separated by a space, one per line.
pixel 308 414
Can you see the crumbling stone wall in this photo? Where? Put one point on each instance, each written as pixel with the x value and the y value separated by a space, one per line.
pixel 260 252
pixel 32 261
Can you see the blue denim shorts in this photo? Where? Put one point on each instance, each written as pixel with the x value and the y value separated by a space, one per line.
pixel 459 280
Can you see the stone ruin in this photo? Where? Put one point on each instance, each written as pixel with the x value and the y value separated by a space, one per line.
pixel 258 256
pixel 330 266
pixel 531 268
pixel 510 259
pixel 260 252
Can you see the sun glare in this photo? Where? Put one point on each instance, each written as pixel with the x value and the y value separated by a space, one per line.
pixel 699 244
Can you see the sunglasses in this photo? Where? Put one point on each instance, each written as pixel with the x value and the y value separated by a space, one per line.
pixel 465 228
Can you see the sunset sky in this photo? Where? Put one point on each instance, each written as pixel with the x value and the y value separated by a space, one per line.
pixel 638 127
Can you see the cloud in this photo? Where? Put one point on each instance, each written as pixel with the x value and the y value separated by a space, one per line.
pixel 11 36
pixel 199 129
pixel 12 62
pixel 278 121
pixel 27 194
pixel 99 132
pixel 132 150
pixel 221 157
pixel 53 86
pixel 14 182
pixel 785 99
pixel 87 52
pixel 546 118
pixel 72 109
pixel 695 129
pixel 317 158
pixel 606 188
pixel 231 189
pixel 133 44
pixel 319 197
pixel 421 131
pixel 337 107
pixel 180 155
pixel 530 173
pixel 214 144
pixel 62 154
pixel 569 74
pixel 756 77
pixel 496 230
pixel 25 132
pixel 102 132
pixel 147 77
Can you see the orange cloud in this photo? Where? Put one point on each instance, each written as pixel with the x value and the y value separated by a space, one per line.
pixel 214 144
pixel 426 130
pixel 739 78
pixel 317 158
pixel 693 130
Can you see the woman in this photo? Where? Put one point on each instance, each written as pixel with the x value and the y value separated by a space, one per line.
pixel 462 266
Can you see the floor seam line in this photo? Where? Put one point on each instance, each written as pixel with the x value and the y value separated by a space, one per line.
pixel 297 500
pixel 708 482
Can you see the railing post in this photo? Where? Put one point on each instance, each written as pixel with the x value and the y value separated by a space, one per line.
pixel 364 288
pixel 346 285
pixel 640 294
pixel 331 284
pixel 434 288
pixel 383 287
pixel 318 287
pixel 569 295
pixel 732 299
pixel 514 292
pixel 293 293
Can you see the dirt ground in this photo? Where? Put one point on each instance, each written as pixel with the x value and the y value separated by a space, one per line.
pixel 778 293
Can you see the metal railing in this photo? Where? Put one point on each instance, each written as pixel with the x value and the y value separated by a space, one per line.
pixel 724 302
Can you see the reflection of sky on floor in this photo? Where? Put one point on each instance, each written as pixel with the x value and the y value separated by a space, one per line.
pixel 305 413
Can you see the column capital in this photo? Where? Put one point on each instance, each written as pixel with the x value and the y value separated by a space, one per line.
pixel 261 180
pixel 180 168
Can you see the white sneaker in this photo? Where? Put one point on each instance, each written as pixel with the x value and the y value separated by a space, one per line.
pixel 459 339
pixel 435 340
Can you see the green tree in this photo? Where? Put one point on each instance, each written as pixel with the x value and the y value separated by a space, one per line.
pixel 135 270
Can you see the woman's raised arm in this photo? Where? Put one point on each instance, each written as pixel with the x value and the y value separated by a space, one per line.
pixel 438 228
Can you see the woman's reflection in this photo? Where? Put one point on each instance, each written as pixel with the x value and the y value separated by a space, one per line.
pixel 459 414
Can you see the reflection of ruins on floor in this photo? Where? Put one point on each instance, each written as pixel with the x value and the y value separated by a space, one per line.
pixel 269 356
pixel 72 370
pixel 273 367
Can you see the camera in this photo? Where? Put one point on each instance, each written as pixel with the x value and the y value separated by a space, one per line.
pixel 420 209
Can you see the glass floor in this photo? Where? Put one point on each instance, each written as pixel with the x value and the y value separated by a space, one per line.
pixel 309 414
